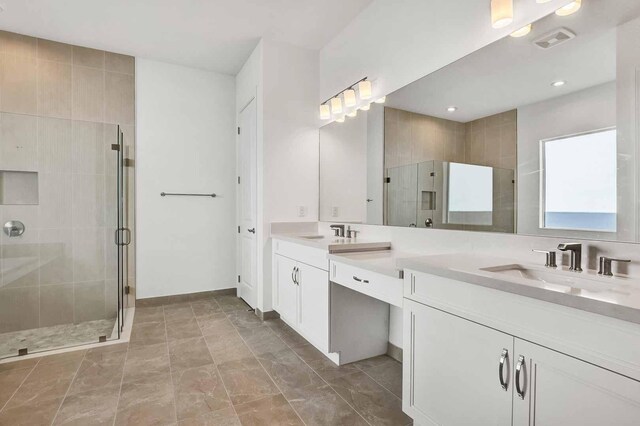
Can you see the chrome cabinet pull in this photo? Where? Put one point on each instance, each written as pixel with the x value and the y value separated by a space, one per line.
pixel 297 275
pixel 293 275
pixel 519 367
pixel 504 357
pixel 360 280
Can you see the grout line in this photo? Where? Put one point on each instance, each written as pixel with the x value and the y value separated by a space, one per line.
pixel 70 384
pixel 265 370
pixel 19 386
pixel 173 388
pixel 372 378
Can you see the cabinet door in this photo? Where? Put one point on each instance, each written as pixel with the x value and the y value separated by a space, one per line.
pixel 314 305
pixel 287 289
pixel 565 391
pixel 451 376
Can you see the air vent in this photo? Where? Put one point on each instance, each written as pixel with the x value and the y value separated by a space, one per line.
pixel 554 38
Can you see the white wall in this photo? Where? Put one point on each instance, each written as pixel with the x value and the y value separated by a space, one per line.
pixel 590 109
pixel 185 143
pixel 397 42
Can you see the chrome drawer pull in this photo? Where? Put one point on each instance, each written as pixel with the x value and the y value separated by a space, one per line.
pixel 504 357
pixel 519 367
pixel 360 280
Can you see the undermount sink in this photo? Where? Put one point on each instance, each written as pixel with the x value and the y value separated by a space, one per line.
pixel 553 278
pixel 312 237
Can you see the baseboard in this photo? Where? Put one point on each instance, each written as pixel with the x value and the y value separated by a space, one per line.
pixel 394 352
pixel 181 298
pixel 264 316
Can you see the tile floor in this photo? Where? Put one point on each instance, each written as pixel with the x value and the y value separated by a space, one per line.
pixel 206 362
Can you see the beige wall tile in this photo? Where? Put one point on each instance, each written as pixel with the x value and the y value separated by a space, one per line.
pixel 89 301
pixel 21 265
pixel 88 147
pixel 88 200
pixel 28 215
pixel 17 44
pixel 19 308
pixel 56 305
pixel 53 51
pixel 54 145
pixel 18 84
pixel 120 63
pixel 88 94
pixel 88 57
pixel 56 256
pixel 119 98
pixel 55 200
pixel 54 89
pixel 111 298
pixel 18 142
pixel 88 254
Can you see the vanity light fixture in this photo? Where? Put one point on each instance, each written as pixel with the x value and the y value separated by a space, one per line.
pixel 558 83
pixel 353 113
pixel 366 107
pixel 349 98
pixel 364 89
pixel 381 100
pixel 325 112
pixel 452 109
pixel 569 9
pixel 522 31
pixel 501 13
pixel 336 105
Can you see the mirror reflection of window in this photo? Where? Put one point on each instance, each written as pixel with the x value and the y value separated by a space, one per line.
pixel 470 195
pixel 579 182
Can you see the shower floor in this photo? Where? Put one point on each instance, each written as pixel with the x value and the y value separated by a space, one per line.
pixel 56 337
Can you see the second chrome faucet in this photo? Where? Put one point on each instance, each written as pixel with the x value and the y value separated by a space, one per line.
pixel 576 255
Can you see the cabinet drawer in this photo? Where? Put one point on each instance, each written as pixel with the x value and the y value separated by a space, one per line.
pixel 378 286
pixel 309 255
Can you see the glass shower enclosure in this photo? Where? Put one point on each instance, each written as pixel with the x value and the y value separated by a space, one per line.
pixel 66 205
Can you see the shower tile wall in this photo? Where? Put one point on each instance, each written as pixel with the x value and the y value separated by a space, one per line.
pixel 59 107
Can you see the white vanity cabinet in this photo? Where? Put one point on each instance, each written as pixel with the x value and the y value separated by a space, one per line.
pixel 456 337
pixel 301 292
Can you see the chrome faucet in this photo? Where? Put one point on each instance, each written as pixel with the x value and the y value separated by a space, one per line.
pixel 338 230
pixel 551 258
pixel 605 265
pixel 576 255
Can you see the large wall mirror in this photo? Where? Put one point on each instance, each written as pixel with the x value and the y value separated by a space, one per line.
pixel 534 135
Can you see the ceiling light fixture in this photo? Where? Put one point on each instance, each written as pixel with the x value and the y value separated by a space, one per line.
pixel 381 100
pixel 364 89
pixel 349 98
pixel 340 119
pixel 325 112
pixel 365 107
pixel 452 109
pixel 522 31
pixel 501 13
pixel 336 105
pixel 569 9
pixel 353 113
pixel 558 83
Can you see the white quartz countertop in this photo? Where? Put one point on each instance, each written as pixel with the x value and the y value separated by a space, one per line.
pixel 617 297
pixel 334 244
pixel 383 262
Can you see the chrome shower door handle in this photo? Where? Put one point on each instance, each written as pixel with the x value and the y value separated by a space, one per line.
pixel 519 368
pixel 504 358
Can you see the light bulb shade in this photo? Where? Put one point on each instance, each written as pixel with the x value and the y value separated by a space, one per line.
pixel 569 9
pixel 353 113
pixel 340 119
pixel 349 98
pixel 501 13
pixel 522 31
pixel 381 100
pixel 336 105
pixel 364 89
pixel 366 107
pixel 325 112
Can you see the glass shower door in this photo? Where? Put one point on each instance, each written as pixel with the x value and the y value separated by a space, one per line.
pixel 122 233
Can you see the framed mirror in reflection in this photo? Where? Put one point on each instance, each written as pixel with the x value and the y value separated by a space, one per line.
pixel 534 135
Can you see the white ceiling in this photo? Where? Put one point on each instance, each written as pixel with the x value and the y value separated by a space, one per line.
pixel 514 72
pixel 218 35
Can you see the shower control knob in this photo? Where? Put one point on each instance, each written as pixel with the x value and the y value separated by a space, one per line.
pixel 14 228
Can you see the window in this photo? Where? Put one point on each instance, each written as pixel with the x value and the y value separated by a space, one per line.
pixel 470 194
pixel 579 182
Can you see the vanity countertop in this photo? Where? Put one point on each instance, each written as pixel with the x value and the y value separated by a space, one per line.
pixel 383 262
pixel 334 244
pixel 617 297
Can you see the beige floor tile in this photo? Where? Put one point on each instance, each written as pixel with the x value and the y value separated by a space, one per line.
pixel 199 391
pixel 272 410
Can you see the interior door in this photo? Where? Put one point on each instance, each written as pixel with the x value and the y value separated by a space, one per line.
pixel 561 390
pixel 247 288
pixel 452 375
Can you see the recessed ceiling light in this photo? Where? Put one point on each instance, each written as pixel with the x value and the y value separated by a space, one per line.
pixel 521 32
pixel 558 83
pixel 569 9
pixel 452 109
